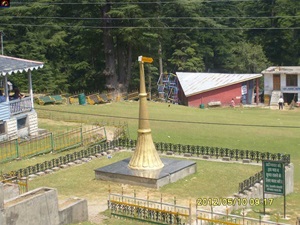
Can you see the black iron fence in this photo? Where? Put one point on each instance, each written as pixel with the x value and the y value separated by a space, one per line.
pixel 197 151
pixel 212 152
pixel 62 160
pixel 250 182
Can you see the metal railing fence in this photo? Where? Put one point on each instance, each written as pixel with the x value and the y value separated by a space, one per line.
pixel 211 217
pixel 48 142
pixel 148 210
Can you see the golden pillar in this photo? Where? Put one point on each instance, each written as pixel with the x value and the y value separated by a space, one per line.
pixel 145 156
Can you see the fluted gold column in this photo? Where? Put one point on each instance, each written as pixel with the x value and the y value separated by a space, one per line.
pixel 145 156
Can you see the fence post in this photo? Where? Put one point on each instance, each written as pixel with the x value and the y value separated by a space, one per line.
pixel 227 212
pixel 27 184
pixel 190 212
pixel 243 215
pixel 105 133
pixel 160 201
pixel 175 203
pixel 127 130
pixel 81 136
pixel 134 195
pixel 17 148
pixel 148 199
pixel 52 141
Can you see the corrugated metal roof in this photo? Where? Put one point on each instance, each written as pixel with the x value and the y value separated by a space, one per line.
pixel 195 83
pixel 9 65
pixel 282 69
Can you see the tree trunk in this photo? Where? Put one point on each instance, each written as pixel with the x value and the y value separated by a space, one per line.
pixel 124 65
pixel 129 66
pixel 110 66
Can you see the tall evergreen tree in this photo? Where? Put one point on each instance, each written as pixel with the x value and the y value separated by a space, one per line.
pixel 276 30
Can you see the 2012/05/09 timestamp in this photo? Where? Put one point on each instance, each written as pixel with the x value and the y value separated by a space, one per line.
pixel 233 201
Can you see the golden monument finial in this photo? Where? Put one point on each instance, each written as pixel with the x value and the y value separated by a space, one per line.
pixel 145 156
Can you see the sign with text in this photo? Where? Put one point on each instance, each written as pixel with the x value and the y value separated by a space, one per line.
pixel 274 177
pixel 4 3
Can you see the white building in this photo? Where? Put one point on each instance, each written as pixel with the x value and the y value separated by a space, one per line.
pixel 281 81
pixel 17 117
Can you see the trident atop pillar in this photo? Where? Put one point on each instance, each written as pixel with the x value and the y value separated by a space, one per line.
pixel 145 156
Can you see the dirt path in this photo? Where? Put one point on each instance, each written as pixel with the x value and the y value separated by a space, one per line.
pixel 94 209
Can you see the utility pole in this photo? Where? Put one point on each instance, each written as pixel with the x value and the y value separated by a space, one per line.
pixel 161 96
pixel 160 61
pixel 1 33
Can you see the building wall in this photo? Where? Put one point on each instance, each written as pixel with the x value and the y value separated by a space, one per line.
pixel 33 123
pixel 4 111
pixel 268 85
pixel 181 96
pixel 224 95
pixel 12 131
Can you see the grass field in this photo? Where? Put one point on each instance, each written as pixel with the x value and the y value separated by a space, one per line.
pixel 241 128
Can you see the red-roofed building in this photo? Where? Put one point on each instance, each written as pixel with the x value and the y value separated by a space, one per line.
pixel 197 89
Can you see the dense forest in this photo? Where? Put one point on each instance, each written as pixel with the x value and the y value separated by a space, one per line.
pixel 94 45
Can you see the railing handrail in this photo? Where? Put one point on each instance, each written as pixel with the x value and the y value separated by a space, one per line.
pixel 236 216
pixel 150 201
pixel 20 105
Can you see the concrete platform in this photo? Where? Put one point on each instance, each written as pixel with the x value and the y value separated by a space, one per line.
pixel 172 171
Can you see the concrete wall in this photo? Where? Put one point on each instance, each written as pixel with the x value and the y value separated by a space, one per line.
pixel 36 207
pixel 75 210
pixel 10 191
pixel 40 207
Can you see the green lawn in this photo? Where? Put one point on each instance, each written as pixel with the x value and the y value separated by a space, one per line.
pixel 241 128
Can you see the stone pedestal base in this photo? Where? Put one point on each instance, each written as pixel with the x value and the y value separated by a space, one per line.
pixel 172 171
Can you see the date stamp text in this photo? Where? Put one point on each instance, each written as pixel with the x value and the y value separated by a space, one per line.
pixel 233 201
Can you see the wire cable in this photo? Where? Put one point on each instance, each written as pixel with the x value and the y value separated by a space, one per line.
pixel 166 28
pixel 125 3
pixel 175 121
pixel 150 18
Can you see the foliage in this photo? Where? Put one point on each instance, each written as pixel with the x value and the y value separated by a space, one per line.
pixel 247 58
pixel 94 46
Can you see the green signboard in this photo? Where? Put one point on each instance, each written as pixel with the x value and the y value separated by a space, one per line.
pixel 274 177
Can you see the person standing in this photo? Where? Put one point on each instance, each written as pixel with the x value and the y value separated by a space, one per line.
pixel 17 94
pixel 232 103
pixel 280 103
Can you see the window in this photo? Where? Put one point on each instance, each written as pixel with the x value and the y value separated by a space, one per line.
pixel 2 128
pixel 21 123
pixel 292 80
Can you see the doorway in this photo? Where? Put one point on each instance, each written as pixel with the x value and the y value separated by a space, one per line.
pixel 276 81
pixel 288 97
